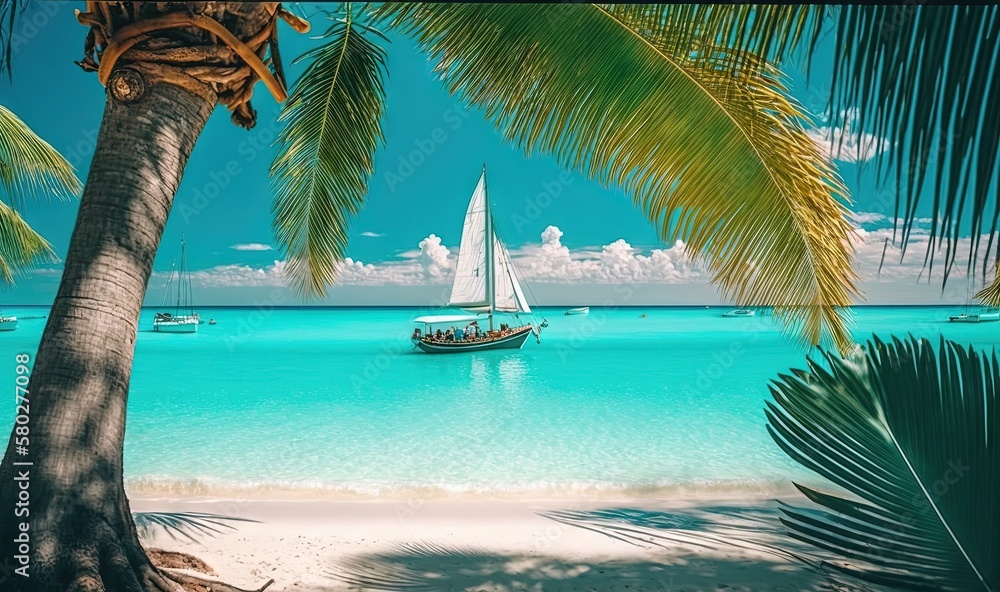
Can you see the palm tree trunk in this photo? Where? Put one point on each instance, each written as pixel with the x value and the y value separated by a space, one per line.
pixel 82 536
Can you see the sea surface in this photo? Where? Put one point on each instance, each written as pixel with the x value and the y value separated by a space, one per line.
pixel 336 403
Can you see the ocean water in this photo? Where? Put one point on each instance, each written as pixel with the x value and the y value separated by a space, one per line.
pixel 336 403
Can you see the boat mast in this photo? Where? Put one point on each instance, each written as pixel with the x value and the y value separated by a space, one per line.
pixel 490 263
pixel 180 281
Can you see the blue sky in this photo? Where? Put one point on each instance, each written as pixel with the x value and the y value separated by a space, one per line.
pixel 574 250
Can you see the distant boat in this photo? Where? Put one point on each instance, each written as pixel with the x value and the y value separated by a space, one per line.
pixel 485 284
pixel 740 312
pixel 985 315
pixel 183 319
pixel 7 323
pixel 579 311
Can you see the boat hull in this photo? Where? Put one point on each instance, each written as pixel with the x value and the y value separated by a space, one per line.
pixel 8 324
pixel 189 326
pixel 512 341
pixel 983 318
pixel 739 313
pixel 578 311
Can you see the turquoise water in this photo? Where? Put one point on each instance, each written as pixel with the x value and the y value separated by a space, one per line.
pixel 337 403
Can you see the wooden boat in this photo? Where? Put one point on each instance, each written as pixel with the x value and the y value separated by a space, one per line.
pixel 485 285
pixel 579 311
pixel 178 321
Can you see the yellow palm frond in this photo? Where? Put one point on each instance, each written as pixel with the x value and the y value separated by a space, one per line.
pixel 20 246
pixel 325 153
pixel 28 166
pixel 990 295
pixel 712 150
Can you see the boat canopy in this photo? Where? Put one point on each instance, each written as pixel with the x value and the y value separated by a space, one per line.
pixel 432 319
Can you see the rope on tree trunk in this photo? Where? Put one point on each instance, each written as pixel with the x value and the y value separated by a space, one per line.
pixel 224 69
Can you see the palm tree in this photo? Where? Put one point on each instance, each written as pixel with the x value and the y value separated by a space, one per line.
pixel 911 434
pixel 28 166
pixel 678 106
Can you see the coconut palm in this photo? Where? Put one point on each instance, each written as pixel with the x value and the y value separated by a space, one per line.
pixel 677 106
pixel 911 433
pixel 28 167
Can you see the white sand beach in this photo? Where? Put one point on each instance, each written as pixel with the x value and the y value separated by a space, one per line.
pixel 631 545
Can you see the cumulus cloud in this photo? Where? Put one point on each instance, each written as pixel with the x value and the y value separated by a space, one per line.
pixel 867 217
pixel 617 262
pixel 847 143
pixel 549 261
pixel 371 234
pixel 252 247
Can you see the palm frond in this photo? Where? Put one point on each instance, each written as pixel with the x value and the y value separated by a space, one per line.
pixel 29 165
pixel 912 433
pixel 325 153
pixel 774 33
pixel 188 524
pixel 925 78
pixel 712 151
pixel 990 295
pixel 9 12
pixel 20 246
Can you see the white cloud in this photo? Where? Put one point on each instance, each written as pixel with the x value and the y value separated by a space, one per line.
pixel 371 234
pixel 252 247
pixel 617 262
pixel 433 263
pixel 846 143
pixel 867 217
pixel 550 262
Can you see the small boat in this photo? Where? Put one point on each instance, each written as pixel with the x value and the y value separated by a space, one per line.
pixel 740 312
pixel 579 311
pixel 985 315
pixel 183 319
pixel 7 323
pixel 211 321
pixel 485 284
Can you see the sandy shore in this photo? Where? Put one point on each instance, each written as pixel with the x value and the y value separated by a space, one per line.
pixel 634 545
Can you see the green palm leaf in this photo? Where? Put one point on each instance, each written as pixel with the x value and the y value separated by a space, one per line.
pixel 711 150
pixel 28 165
pixel 922 76
pixel 325 153
pixel 9 12
pixel 912 433
pixel 773 32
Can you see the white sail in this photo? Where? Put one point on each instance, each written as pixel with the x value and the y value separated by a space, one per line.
pixel 509 297
pixel 469 289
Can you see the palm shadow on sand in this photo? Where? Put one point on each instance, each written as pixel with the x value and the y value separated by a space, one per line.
pixel 708 551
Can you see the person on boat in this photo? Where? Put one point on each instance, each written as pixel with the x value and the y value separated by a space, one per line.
pixel 459 335
pixel 416 334
pixel 449 335
pixel 438 336
pixel 211 321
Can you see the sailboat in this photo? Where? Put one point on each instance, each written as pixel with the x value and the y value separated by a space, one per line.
pixel 7 323
pixel 176 322
pixel 985 314
pixel 485 285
